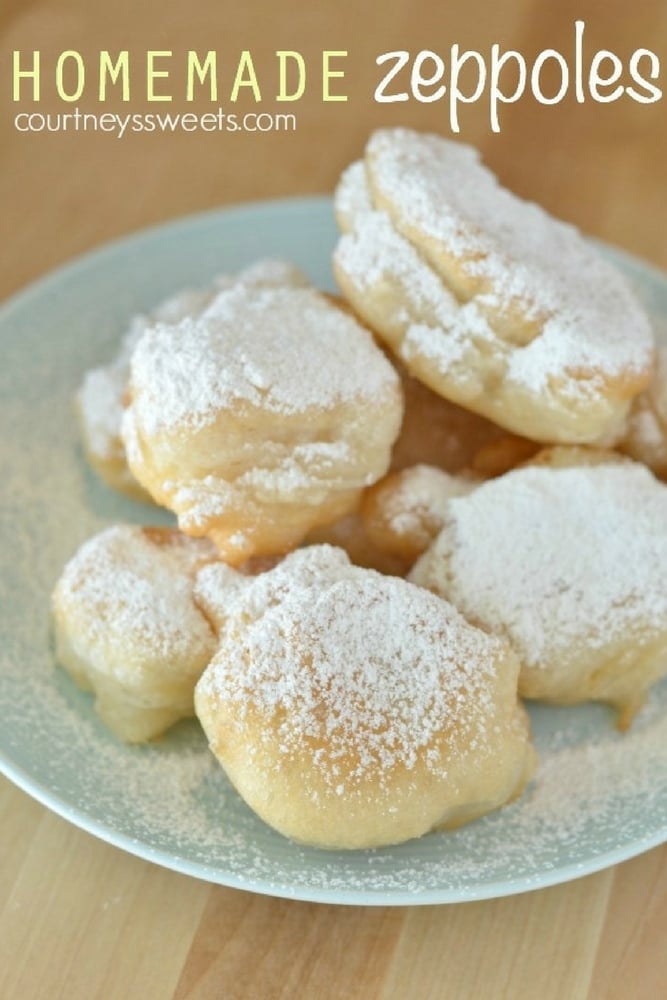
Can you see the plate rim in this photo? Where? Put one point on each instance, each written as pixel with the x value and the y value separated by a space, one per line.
pixel 93 254
pixel 498 889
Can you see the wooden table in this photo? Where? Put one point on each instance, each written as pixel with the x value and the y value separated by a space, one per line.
pixel 79 919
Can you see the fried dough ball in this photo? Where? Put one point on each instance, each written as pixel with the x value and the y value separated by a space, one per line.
pixel 405 511
pixel 100 398
pixel 354 710
pixel 262 419
pixel 566 558
pixel 484 297
pixel 127 628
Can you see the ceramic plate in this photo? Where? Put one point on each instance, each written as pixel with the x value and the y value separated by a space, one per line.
pixel 598 798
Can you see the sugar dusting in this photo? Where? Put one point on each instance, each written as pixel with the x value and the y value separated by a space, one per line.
pixel 305 474
pixel 517 256
pixel 261 347
pixel 132 585
pixel 368 666
pixel 378 257
pixel 419 496
pixel 592 793
pixel 596 793
pixel 432 210
pixel 100 398
pixel 557 557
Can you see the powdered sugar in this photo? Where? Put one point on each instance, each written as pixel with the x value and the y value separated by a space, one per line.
pixel 371 668
pixel 299 472
pixel 559 559
pixel 100 399
pixel 276 349
pixel 421 494
pixel 101 396
pixel 377 257
pixel 509 312
pixel 306 475
pixel 515 256
pixel 304 569
pixel 352 196
pixel 130 589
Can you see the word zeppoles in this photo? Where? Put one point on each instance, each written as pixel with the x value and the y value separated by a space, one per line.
pixel 503 76
pixel 162 75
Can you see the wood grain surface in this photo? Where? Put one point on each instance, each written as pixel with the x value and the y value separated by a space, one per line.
pixel 82 920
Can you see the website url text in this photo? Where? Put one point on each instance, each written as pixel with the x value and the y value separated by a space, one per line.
pixel 153 121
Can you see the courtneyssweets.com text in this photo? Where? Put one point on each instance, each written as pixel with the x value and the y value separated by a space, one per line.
pixel 118 125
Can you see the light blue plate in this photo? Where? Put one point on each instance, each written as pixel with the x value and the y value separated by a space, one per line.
pixel 598 798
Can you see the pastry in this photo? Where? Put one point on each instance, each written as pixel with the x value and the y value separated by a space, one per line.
pixel 353 710
pixel 405 511
pixel 484 297
pixel 565 558
pixel 100 398
pixel 260 420
pixel 127 628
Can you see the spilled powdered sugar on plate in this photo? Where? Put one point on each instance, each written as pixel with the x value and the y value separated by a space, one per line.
pixel 598 797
